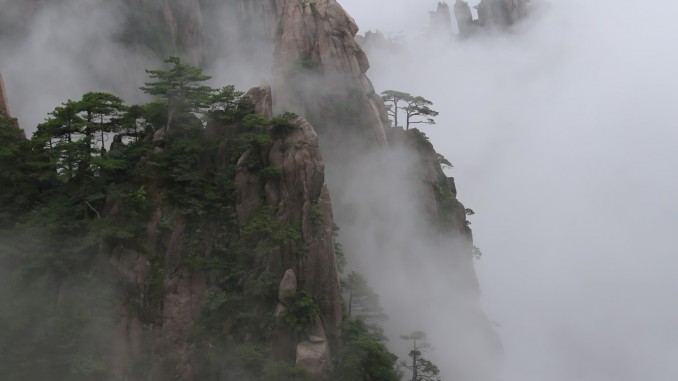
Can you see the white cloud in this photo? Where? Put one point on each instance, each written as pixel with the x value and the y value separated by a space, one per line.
pixel 564 141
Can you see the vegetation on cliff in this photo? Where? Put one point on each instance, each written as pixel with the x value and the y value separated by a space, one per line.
pixel 100 180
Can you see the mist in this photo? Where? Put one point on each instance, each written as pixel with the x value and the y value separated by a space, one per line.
pixel 60 50
pixel 562 135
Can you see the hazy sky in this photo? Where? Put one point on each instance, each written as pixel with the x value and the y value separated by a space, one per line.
pixel 565 143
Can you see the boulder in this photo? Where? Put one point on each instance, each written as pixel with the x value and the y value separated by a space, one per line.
pixel 288 287
pixel 312 357
pixel 159 137
pixel 263 102
pixel 313 353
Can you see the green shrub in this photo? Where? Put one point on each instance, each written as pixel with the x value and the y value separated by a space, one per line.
pixel 363 357
pixel 271 173
pixel 317 215
pixel 284 124
pixel 264 231
pixel 254 122
pixel 300 312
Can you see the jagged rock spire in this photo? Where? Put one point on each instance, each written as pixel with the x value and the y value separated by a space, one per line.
pixel 492 14
pixel 464 16
pixel 441 19
pixel 320 71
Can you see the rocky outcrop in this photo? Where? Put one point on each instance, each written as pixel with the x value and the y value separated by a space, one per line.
pixel 378 42
pixel 263 15
pixel 319 72
pixel 441 20
pixel 317 66
pixel 450 246
pixel 438 197
pixel 501 13
pixel 263 102
pixel 464 16
pixel 492 14
pixel 285 194
pixel 302 199
pixel 313 353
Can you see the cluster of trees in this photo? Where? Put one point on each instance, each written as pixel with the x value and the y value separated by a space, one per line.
pixel 85 179
pixel 412 108
pixel 59 186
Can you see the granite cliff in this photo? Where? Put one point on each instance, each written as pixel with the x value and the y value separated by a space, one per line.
pixel 320 71
pixel 198 281
pixel 282 219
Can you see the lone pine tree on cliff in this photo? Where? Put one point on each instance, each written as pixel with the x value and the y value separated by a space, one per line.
pixel 421 368
pixel 416 109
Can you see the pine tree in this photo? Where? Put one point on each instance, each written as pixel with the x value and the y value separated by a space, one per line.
pixel 421 368
pixel 101 114
pixel 180 91
pixel 363 304
pixel 417 109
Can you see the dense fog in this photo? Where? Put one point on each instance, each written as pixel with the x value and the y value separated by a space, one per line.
pixel 562 135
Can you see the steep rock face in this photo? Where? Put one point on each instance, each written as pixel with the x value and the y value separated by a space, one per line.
pixel 452 248
pixel 262 16
pixel 185 21
pixel 316 57
pixel 438 196
pixel 284 196
pixel 169 27
pixel 300 196
pixel 319 72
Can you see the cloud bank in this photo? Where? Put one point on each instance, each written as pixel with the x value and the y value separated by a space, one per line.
pixel 563 136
